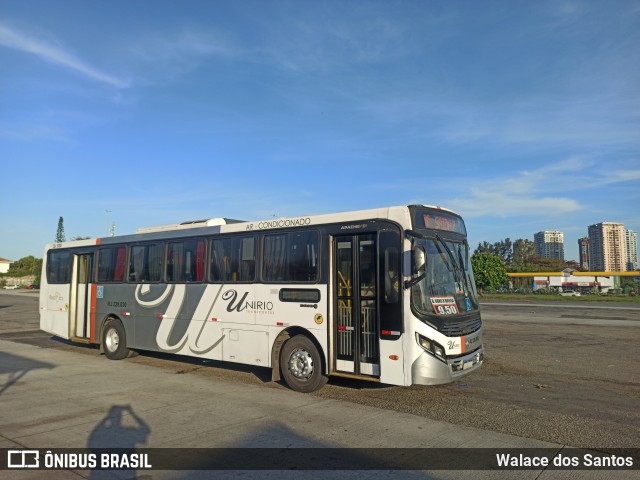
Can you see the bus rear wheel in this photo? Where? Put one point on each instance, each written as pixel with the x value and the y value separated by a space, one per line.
pixel 301 365
pixel 114 341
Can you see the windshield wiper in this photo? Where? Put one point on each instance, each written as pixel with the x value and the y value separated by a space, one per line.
pixel 465 277
pixel 466 249
pixel 442 256
pixel 457 269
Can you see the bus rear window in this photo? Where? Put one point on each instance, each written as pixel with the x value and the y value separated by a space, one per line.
pixel 58 267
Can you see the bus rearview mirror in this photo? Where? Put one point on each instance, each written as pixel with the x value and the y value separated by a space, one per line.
pixel 419 259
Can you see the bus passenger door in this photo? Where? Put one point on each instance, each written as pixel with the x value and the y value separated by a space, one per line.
pixel 80 302
pixel 356 345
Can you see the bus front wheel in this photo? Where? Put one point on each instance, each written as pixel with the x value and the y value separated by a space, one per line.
pixel 114 341
pixel 301 365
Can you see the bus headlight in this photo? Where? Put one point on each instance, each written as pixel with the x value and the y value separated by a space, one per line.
pixel 438 351
pixel 434 348
pixel 424 343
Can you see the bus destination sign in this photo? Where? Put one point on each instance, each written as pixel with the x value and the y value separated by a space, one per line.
pixel 440 221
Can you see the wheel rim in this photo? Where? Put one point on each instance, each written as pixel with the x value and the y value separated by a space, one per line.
pixel 112 340
pixel 301 364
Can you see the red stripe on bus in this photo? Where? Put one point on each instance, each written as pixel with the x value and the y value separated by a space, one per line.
pixel 92 321
pixel 462 343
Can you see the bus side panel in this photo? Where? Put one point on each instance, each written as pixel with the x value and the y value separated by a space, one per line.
pixel 309 315
pixel 232 322
pixel 187 327
pixel 54 308
pixel 113 301
pixel 392 362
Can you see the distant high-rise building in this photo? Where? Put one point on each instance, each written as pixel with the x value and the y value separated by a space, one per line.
pixel 631 242
pixel 607 249
pixel 583 249
pixel 550 244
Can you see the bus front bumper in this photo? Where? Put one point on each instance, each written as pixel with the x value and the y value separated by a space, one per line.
pixel 428 370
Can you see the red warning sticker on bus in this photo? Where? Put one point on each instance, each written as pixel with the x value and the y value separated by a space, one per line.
pixel 443 301
pixel 444 305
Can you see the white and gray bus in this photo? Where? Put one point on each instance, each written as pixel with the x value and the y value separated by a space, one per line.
pixel 385 295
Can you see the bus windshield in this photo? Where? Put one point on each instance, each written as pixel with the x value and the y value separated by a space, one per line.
pixel 446 286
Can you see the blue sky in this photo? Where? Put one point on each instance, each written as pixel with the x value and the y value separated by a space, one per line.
pixel 522 116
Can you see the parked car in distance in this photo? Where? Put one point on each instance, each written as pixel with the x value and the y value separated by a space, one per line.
pixel 570 293
pixel 11 287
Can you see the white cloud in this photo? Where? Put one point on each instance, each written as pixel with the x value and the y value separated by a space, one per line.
pixel 525 194
pixel 527 119
pixel 320 39
pixel 619 176
pixel 539 192
pixel 181 46
pixel 483 202
pixel 12 37
pixel 162 57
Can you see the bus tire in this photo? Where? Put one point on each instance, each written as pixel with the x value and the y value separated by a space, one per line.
pixel 301 365
pixel 114 341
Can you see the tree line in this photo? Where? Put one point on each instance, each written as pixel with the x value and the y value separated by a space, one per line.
pixel 492 261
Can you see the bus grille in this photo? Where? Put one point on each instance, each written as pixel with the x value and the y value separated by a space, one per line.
pixel 460 328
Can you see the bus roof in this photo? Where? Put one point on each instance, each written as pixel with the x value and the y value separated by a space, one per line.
pixel 399 214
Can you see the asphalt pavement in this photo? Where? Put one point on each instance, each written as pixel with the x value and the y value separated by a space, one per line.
pixel 53 398
pixel 58 399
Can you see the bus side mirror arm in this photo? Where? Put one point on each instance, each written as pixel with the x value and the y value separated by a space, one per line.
pixel 410 283
pixel 410 234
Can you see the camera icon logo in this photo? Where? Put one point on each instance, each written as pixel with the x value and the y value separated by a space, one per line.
pixel 23 459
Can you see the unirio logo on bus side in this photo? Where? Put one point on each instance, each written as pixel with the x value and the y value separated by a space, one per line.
pixel 256 306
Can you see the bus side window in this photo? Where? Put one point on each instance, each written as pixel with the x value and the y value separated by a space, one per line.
pixel 275 254
pixel 155 259
pixel 111 264
pixel 136 264
pixel 390 276
pixel 291 257
pixel 185 261
pixel 247 260
pixel 120 261
pixel 303 257
pixel 145 264
pixel 199 259
pixel 233 259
